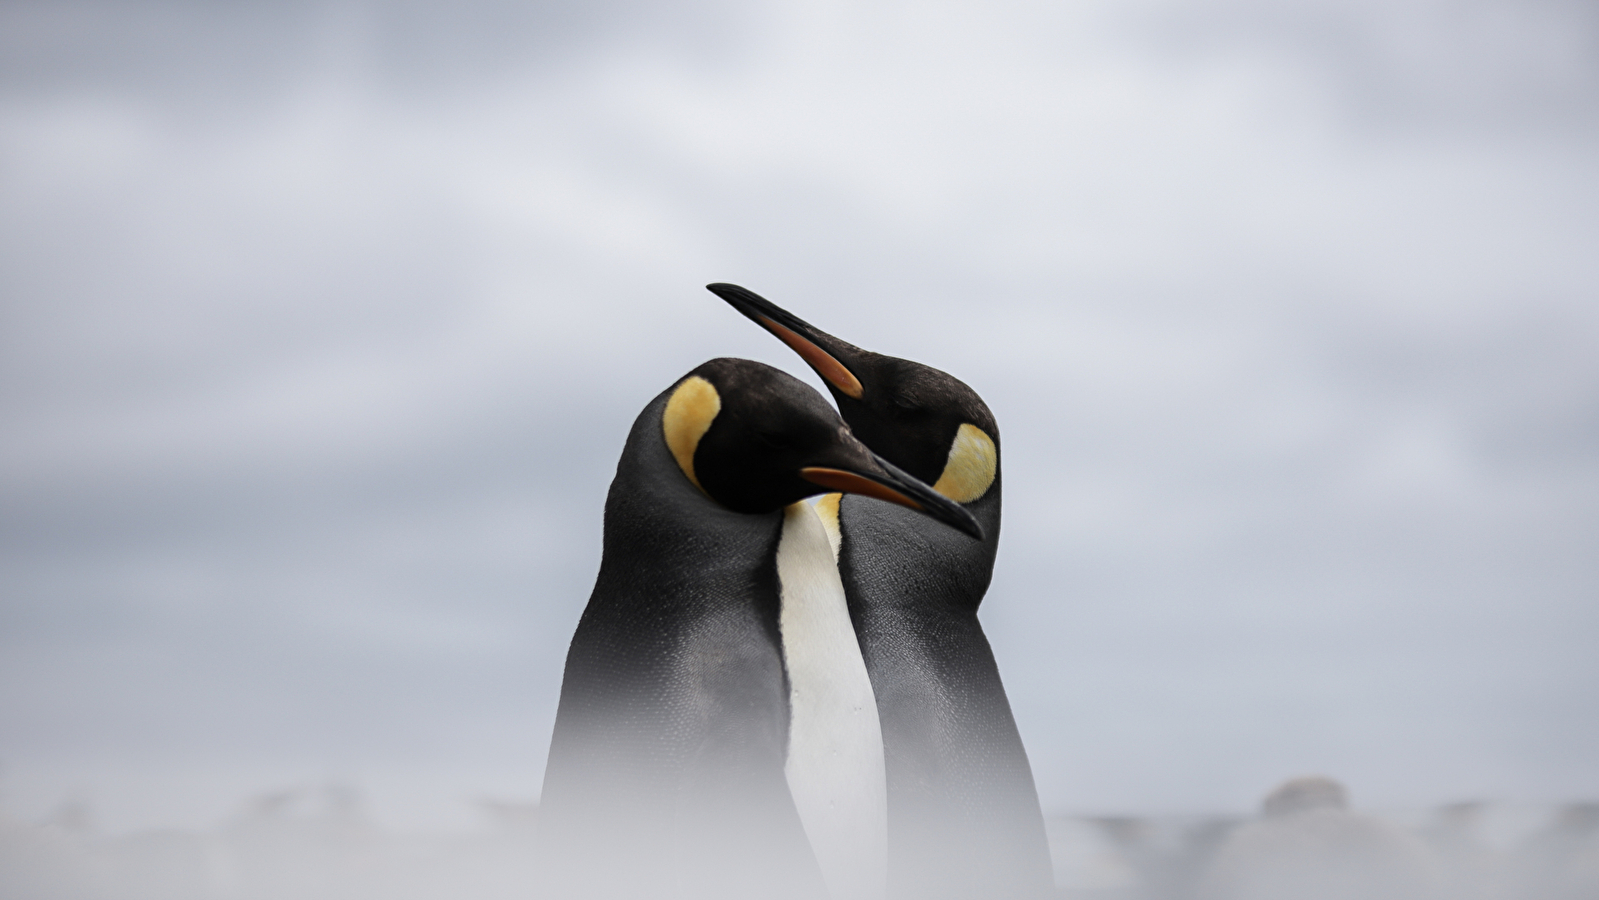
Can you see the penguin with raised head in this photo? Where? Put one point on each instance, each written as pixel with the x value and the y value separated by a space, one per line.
pixel 964 818
pixel 716 722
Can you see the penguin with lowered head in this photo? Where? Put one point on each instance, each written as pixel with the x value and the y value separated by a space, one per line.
pixel 963 813
pixel 716 720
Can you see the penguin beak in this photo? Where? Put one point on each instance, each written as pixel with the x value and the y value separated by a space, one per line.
pixel 819 349
pixel 889 482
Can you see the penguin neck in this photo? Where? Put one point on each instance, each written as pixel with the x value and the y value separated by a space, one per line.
pixel 658 522
pixel 835 751
pixel 943 572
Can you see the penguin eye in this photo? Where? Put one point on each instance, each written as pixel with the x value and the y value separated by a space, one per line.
pixel 772 439
pixel 905 402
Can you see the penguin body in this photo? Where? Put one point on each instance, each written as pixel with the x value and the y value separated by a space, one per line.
pixel 963 812
pixel 667 767
pixel 964 818
pixel 671 733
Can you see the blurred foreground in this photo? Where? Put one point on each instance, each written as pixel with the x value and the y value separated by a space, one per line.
pixel 318 843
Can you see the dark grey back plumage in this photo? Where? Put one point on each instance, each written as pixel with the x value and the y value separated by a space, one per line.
pixel 665 772
pixel 964 819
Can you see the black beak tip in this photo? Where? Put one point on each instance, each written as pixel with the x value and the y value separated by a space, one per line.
pixel 743 299
pixel 936 505
pixel 732 293
pixel 967 525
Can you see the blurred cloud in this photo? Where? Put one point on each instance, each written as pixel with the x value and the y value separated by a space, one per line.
pixel 323 324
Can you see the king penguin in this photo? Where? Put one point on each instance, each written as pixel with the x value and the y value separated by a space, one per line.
pixel 716 733
pixel 963 813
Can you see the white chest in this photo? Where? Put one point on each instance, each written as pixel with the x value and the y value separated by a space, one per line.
pixel 835 745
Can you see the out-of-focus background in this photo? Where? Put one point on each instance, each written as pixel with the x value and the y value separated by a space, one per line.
pixel 323 323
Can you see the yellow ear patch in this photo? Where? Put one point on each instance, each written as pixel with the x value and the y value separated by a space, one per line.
pixel 689 413
pixel 973 459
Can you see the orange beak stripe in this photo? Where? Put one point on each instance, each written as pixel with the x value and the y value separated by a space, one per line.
pixel 850 483
pixel 818 359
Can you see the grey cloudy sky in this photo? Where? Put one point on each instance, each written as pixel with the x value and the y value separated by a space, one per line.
pixel 323 325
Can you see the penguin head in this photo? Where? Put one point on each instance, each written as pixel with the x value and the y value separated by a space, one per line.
pixel 926 421
pixel 755 439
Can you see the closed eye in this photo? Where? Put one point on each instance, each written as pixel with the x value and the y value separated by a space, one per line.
pixel 773 440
